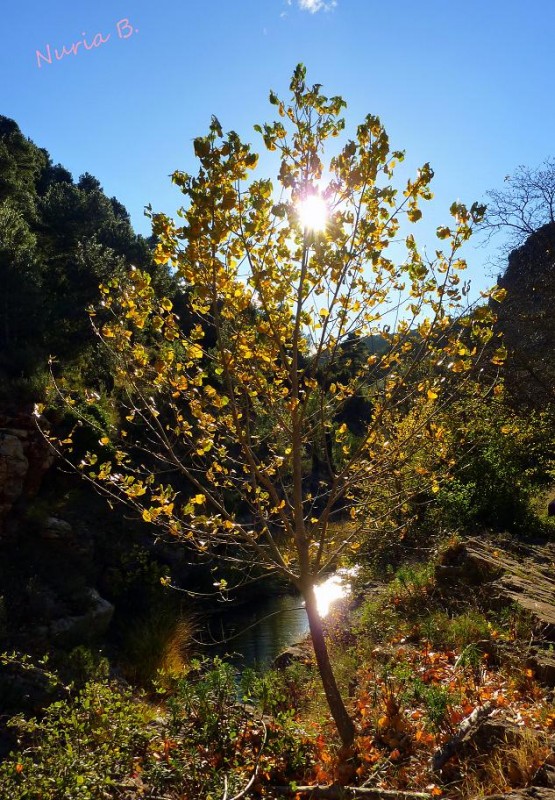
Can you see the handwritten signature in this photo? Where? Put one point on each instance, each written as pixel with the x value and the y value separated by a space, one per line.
pixel 124 30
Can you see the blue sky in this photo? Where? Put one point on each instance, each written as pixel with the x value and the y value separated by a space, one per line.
pixel 466 86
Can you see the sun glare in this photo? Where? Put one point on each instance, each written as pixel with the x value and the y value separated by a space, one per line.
pixel 313 212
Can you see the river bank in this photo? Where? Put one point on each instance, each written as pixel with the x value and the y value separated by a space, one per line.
pixel 255 633
pixel 435 672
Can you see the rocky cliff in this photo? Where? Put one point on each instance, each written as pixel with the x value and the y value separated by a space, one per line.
pixel 24 459
pixel 527 318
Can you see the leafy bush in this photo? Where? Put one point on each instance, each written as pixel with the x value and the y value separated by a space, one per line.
pixel 510 460
pixel 105 743
pixel 281 693
pixel 213 733
pixel 80 750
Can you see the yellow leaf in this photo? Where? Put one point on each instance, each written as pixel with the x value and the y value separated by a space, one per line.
pixel 195 351
pixel 499 295
pixel 458 366
pixel 499 356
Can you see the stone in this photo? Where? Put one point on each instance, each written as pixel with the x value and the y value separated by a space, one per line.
pixel 525 319
pixel 521 575
pixel 13 469
pixel 543 664
pixel 24 458
pixel 58 529
pixel 545 776
pixel 26 686
pixel 496 730
pixel 295 653
pixel 82 628
pixel 531 793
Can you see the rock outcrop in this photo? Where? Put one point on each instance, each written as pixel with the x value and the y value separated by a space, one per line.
pixel 524 575
pixel 24 459
pixel 532 793
pixel 87 627
pixel 525 318
pixel 13 470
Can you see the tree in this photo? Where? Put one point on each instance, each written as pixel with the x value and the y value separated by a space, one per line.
pixel 19 277
pixel 220 420
pixel 58 241
pixel 523 206
pixel 524 213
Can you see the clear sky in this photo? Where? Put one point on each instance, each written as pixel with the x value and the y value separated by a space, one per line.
pixel 466 86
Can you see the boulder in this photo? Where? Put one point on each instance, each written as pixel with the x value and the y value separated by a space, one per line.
pixel 56 529
pixel 13 470
pixel 294 653
pixel 513 573
pixel 545 776
pixel 486 729
pixel 26 686
pixel 543 665
pixel 78 629
pixel 525 319
pixel 24 458
pixel 531 793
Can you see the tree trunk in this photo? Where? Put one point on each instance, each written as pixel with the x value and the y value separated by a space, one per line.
pixel 344 723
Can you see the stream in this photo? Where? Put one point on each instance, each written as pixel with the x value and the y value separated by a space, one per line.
pixel 264 628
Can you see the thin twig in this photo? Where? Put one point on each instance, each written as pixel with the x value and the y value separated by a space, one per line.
pixel 244 791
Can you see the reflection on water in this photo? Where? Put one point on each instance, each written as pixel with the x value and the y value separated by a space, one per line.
pixel 281 622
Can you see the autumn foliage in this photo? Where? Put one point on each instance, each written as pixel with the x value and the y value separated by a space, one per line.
pixel 221 418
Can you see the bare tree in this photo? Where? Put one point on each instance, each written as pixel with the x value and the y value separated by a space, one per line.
pixel 525 204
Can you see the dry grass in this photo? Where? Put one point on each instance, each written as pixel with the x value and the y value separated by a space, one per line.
pixel 157 644
pixel 506 767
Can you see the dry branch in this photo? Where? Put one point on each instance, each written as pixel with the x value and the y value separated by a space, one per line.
pixel 336 792
pixel 449 749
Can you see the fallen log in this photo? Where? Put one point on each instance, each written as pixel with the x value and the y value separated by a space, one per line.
pixel 469 724
pixel 337 792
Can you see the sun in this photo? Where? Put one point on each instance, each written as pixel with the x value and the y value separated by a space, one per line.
pixel 313 212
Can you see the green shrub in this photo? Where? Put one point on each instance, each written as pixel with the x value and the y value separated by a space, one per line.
pixel 104 744
pixel 84 665
pixel 215 732
pixel 281 693
pixel 80 750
